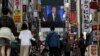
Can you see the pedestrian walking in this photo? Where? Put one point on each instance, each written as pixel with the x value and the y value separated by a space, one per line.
pixel 82 45
pixel 67 48
pixel 53 42
pixel 7 21
pixel 25 36
pixel 6 36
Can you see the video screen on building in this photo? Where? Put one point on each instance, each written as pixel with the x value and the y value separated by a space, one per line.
pixel 52 16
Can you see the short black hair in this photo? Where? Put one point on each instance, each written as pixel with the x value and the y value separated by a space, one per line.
pixel 52 28
pixel 81 35
pixel 5 11
pixel 53 7
pixel 24 26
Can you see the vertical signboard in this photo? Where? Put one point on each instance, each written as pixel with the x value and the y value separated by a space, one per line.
pixel 86 16
pixel 17 11
pixel 72 16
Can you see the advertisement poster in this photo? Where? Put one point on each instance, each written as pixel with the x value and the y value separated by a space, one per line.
pixel 93 50
pixel 17 11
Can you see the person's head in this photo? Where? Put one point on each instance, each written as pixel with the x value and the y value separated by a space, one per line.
pixel 53 9
pixel 24 26
pixel 52 28
pixel 82 36
pixel 88 35
pixel 59 36
pixel 5 11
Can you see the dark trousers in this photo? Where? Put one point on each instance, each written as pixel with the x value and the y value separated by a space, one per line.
pixel 67 53
pixel 13 52
pixel 82 52
pixel 54 51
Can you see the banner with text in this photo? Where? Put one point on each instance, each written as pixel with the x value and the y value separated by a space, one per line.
pixel 85 16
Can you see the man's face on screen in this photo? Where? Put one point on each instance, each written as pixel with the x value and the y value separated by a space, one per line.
pixel 53 9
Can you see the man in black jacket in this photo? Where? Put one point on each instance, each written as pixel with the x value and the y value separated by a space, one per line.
pixel 53 16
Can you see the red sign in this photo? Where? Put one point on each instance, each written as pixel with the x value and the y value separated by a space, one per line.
pixel 93 5
pixel 72 15
pixel 94 27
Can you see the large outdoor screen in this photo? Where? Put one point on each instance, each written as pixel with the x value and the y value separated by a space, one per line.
pixel 50 19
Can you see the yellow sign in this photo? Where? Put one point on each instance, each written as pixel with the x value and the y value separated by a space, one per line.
pixel 17 16
pixel 17 12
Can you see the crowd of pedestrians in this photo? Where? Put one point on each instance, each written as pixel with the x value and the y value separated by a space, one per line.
pixel 53 45
pixel 9 36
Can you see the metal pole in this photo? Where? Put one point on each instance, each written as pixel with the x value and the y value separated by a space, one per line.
pixel 98 34
pixel 78 4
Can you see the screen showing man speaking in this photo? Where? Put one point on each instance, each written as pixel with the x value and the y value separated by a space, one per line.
pixel 53 16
